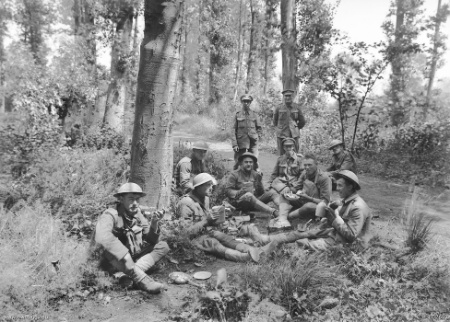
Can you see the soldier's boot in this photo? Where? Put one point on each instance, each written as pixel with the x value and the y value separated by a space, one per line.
pixel 215 247
pixel 261 206
pixel 281 222
pixel 230 242
pixel 253 232
pixel 145 282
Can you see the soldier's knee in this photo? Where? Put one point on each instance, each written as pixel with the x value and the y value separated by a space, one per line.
pixel 248 197
pixel 163 247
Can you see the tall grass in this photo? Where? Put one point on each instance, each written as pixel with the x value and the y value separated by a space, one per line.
pixel 38 261
pixel 418 227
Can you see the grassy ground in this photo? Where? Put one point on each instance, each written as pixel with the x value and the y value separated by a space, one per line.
pixel 343 285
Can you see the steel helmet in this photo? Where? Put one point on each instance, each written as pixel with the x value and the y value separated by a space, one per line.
pixel 129 187
pixel 202 178
pixel 334 143
pixel 349 175
pixel 201 145
pixel 246 155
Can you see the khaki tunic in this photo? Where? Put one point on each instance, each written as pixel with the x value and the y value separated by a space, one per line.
pixel 288 121
pixel 246 129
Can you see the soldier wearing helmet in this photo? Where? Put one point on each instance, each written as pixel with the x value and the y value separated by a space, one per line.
pixel 194 211
pixel 342 159
pixel 348 221
pixel 188 167
pixel 288 119
pixel 129 242
pixel 247 130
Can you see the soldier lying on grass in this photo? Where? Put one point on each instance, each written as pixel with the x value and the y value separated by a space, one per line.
pixel 195 213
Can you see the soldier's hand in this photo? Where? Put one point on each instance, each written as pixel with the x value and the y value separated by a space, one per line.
pixel 157 216
pixel 330 214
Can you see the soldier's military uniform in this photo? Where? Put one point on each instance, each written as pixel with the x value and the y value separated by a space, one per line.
pixel 344 161
pixel 187 168
pixel 245 191
pixel 286 174
pixel 288 120
pixel 247 130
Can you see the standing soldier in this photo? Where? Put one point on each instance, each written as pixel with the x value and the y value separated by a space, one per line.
pixel 288 120
pixel 247 131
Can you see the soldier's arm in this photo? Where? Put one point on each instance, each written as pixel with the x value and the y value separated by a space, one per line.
pixel 274 174
pixel 350 230
pixel 258 126
pixel 275 117
pixel 348 163
pixel 324 187
pixel 104 237
pixel 231 186
pixel 150 231
pixel 234 132
pixel 259 186
pixel 185 175
pixel 301 119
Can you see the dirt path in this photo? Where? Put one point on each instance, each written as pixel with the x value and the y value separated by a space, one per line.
pixel 385 198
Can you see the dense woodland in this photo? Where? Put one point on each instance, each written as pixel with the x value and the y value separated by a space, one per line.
pixel 88 99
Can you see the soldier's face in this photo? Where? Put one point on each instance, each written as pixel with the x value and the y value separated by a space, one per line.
pixel 337 149
pixel 344 189
pixel 204 190
pixel 247 164
pixel 288 98
pixel 130 203
pixel 246 104
pixel 199 154
pixel 288 149
pixel 310 166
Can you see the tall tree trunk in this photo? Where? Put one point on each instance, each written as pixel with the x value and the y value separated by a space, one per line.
pixel 151 150
pixel 434 60
pixel 198 73
pixel 267 37
pixel 289 36
pixel 253 50
pixel 2 73
pixel 397 80
pixel 184 68
pixel 239 53
pixel 120 54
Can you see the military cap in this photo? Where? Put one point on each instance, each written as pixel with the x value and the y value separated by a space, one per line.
pixel 288 90
pixel 349 175
pixel 247 154
pixel 246 97
pixel 288 141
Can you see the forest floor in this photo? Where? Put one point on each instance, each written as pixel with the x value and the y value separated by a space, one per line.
pixel 385 198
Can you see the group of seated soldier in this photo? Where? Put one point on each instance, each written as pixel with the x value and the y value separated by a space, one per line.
pixel 297 189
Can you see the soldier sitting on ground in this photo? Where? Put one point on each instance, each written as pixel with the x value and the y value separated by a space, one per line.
pixel 350 222
pixel 342 159
pixel 188 167
pixel 129 243
pixel 247 131
pixel 195 213
pixel 285 177
pixel 311 199
pixel 245 189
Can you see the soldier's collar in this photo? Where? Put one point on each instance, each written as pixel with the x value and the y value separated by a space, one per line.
pixel 351 198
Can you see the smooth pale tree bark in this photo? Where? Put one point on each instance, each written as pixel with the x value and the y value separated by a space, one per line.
pixel 289 36
pixel 151 150
pixel 186 26
pixel 118 87
pixel 434 59
pixel 239 53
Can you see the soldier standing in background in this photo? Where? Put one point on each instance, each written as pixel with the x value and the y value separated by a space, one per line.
pixel 288 119
pixel 247 131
